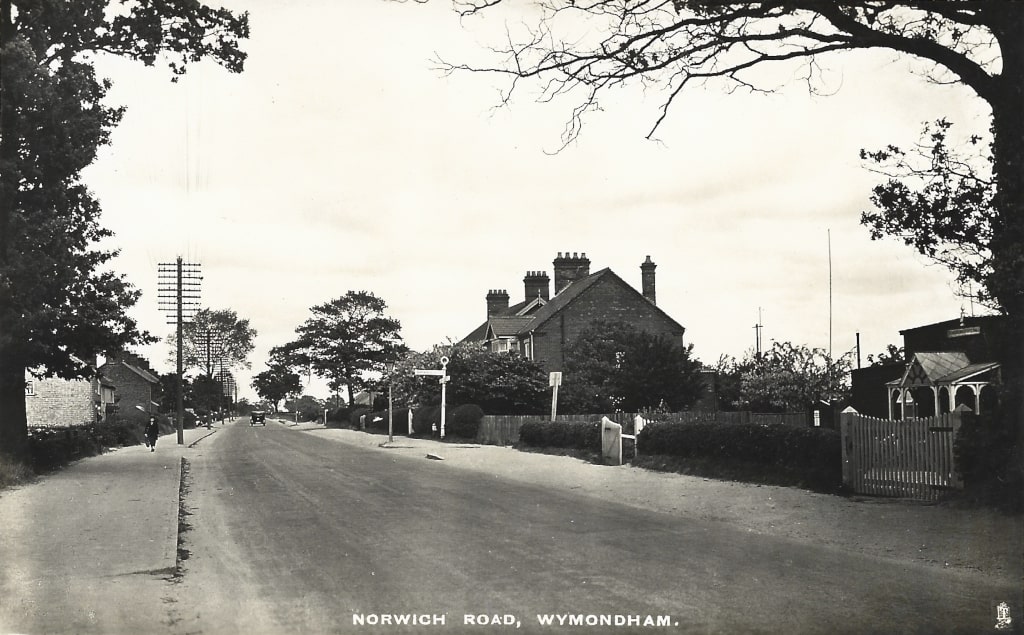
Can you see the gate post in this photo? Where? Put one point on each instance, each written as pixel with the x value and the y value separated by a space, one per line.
pixel 846 419
pixel 611 441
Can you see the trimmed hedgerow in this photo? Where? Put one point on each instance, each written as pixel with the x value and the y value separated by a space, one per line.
pixel 464 421
pixel 355 414
pixel 425 419
pixel 813 455
pixel 580 435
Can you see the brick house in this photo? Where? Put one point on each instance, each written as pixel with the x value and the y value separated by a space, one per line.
pixel 542 325
pixel 55 402
pixel 136 386
pixel 66 402
pixel 948 364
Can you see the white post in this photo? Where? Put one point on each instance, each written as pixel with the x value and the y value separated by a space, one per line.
pixel 554 380
pixel 410 422
pixel 444 385
pixel 390 428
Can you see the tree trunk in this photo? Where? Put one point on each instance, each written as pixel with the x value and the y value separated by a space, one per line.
pixel 1007 246
pixel 13 422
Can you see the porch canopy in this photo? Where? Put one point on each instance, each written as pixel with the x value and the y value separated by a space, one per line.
pixel 937 383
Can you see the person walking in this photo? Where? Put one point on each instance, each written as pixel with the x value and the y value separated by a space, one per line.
pixel 152 432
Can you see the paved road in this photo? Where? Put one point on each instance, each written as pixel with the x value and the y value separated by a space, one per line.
pixel 294 533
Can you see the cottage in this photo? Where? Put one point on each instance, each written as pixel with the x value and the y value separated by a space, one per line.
pixel 948 364
pixel 543 325
pixel 66 402
pixel 136 385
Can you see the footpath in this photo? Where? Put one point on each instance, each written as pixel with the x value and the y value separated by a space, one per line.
pixel 71 538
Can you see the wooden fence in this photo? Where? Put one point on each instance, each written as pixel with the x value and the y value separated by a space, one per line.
pixel 911 458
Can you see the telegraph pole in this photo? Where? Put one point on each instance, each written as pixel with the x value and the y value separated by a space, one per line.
pixel 178 291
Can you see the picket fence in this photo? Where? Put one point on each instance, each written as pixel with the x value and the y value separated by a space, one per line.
pixel 910 458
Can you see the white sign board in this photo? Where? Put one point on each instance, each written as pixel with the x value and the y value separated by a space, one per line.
pixel 432 373
pixel 555 379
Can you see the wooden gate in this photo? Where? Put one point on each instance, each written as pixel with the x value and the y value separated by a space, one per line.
pixel 912 458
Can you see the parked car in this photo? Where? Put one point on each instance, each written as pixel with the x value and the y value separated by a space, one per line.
pixel 258 416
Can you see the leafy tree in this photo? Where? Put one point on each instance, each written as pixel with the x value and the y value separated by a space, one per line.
pixel 614 366
pixel 792 378
pixel 938 201
pixel 500 383
pixel 893 355
pixel 276 383
pixel 581 50
pixel 214 341
pixel 58 301
pixel 206 394
pixel 347 341
pixel 309 408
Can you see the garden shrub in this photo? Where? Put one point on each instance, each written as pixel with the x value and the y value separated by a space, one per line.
pixel 464 421
pixel 580 435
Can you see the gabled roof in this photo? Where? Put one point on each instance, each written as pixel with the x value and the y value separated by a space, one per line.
pixel 518 320
pixel 506 326
pixel 942 367
pixel 938 365
pixel 141 373
pixel 577 288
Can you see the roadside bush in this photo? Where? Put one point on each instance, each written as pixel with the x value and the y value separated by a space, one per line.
pixel 12 474
pixel 51 448
pixel 464 421
pixel 812 455
pixel 338 418
pixel 985 451
pixel 118 433
pixel 425 418
pixel 580 435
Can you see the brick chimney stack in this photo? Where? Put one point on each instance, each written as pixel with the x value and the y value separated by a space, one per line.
pixel 536 284
pixel 497 301
pixel 570 268
pixel 647 279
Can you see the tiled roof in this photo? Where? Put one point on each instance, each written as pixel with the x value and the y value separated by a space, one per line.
pixel 141 373
pixel 968 372
pixel 507 326
pixel 937 365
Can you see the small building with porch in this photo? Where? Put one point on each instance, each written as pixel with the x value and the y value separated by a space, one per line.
pixel 948 364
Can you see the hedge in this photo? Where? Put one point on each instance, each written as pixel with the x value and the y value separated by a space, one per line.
pixel 425 418
pixel 580 435
pixel 814 454
pixel 464 421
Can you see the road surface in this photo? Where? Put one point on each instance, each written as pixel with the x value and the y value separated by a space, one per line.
pixel 292 532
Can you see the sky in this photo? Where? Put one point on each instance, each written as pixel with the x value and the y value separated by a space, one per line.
pixel 343 159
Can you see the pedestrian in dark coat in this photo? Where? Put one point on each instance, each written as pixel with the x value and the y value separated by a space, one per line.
pixel 152 432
